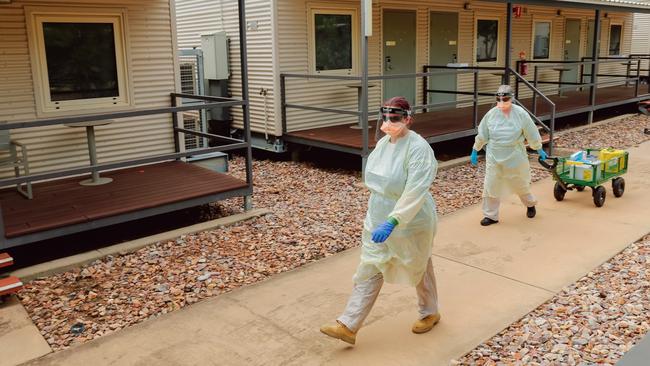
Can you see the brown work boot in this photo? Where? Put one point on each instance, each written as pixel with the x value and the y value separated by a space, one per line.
pixel 339 331
pixel 425 325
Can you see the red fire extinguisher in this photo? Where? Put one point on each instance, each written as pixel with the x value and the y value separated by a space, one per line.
pixel 523 66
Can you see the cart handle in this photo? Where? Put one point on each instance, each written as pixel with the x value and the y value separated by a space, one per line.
pixel 547 165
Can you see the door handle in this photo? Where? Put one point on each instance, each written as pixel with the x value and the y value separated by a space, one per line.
pixel 389 66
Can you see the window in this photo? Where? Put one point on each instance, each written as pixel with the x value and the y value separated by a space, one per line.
pixel 487 40
pixel 541 40
pixel 78 60
pixel 615 36
pixel 334 39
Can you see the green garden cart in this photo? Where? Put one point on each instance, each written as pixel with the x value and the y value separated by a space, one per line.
pixel 570 175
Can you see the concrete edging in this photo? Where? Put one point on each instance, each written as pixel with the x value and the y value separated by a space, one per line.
pixel 63 264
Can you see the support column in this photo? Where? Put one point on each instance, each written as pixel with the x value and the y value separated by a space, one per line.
pixel 366 11
pixel 594 67
pixel 506 73
pixel 246 107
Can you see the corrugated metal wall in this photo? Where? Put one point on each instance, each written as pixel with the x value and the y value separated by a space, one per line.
pixel 150 46
pixel 196 17
pixel 293 50
pixel 641 37
pixel 641 34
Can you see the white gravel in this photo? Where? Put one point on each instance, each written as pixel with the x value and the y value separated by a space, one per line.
pixel 316 213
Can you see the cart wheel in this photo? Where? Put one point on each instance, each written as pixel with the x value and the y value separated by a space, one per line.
pixel 559 191
pixel 618 186
pixel 580 188
pixel 599 196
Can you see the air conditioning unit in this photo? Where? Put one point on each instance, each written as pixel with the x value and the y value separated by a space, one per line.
pixel 188 78
pixel 191 121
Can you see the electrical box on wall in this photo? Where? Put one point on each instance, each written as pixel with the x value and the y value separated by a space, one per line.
pixel 215 56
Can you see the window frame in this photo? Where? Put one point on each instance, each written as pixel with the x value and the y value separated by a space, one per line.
pixel 328 10
pixel 550 39
pixel 499 36
pixel 609 39
pixel 44 105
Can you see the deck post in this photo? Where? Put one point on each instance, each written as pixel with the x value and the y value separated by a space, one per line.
pixel 475 100
pixel 535 75
pixel 177 143
pixel 363 102
pixel 3 239
pixel 245 108
pixel 594 67
pixel 425 86
pixel 638 78
pixel 283 102
pixel 506 71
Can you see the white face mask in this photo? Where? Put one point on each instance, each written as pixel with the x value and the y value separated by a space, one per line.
pixel 393 129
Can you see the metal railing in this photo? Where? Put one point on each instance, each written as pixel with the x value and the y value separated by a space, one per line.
pixel 228 143
pixel 358 112
pixel 550 129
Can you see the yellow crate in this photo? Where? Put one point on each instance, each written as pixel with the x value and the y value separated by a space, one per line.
pixel 614 159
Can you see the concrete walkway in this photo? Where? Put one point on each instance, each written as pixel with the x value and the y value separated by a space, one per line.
pixel 487 278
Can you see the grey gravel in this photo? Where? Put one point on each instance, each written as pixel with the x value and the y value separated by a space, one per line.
pixel 316 213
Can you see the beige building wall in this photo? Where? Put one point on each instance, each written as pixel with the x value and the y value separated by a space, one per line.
pixel 150 43
pixel 293 52
pixel 196 17
pixel 641 37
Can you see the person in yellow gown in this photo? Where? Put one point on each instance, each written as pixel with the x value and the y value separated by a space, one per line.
pixel 400 224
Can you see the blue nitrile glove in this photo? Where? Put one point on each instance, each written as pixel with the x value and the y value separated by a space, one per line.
pixel 473 158
pixel 542 154
pixel 383 231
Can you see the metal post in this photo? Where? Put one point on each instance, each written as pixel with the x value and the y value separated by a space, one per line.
pixel 534 93
pixel 506 73
pixel 3 238
pixel 92 151
pixel 283 103
pixel 364 83
pixel 475 99
pixel 582 73
pixel 177 143
pixel 201 89
pixel 627 71
pixel 594 66
pixel 550 133
pixel 638 78
pixel 517 69
pixel 425 95
pixel 244 89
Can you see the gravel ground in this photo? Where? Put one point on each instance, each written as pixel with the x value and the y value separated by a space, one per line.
pixel 593 321
pixel 316 213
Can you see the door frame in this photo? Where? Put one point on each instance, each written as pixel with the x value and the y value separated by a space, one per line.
pixel 408 8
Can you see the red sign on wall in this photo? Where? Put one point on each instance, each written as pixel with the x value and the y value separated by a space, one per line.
pixel 517 10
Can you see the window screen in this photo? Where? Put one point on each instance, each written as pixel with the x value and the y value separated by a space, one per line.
pixel 333 41
pixel 615 39
pixel 81 62
pixel 487 36
pixel 542 40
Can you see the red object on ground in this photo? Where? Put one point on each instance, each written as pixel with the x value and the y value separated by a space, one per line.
pixel 10 285
pixel 5 260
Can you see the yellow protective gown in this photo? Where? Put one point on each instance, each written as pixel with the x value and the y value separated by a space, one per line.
pixel 398 176
pixel 507 169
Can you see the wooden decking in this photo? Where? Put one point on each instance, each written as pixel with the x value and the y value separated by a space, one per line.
pixel 64 202
pixel 449 121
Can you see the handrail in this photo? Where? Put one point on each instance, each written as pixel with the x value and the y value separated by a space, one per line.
pixel 230 143
pixel 285 105
pixel 551 128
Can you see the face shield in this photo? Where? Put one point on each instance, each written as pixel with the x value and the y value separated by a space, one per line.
pixel 389 119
